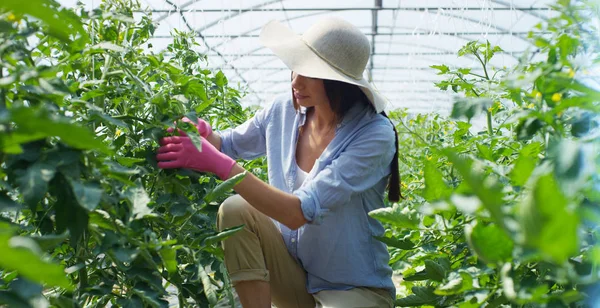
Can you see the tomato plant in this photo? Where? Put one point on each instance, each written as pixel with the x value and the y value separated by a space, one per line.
pixel 507 215
pixel 86 218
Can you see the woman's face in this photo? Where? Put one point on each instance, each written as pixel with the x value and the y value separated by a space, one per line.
pixel 309 92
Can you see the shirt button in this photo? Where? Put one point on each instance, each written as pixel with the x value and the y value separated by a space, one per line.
pixel 293 240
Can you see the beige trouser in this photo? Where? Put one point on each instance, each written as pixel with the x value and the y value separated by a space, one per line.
pixel 258 252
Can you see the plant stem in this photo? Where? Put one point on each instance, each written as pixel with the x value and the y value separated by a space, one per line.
pixel 126 116
pixel 482 64
pixel 489 123
pixel 107 63
pixel 476 75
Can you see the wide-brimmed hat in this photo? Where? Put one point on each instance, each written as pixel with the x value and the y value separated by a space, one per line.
pixel 330 49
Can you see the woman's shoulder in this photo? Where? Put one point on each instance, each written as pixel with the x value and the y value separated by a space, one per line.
pixel 376 124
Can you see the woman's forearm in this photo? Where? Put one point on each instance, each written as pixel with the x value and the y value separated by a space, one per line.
pixel 281 206
pixel 215 140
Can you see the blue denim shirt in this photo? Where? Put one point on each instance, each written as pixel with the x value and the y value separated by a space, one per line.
pixel 336 247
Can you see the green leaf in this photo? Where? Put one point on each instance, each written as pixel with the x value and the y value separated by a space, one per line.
pixel 547 222
pixel 568 158
pixel 30 291
pixel 61 23
pixel 220 79
pixel 434 270
pixel 443 69
pixel 139 200
pixel 397 217
pixel 422 296
pixel 102 116
pixel 457 283
pixel 169 257
pixel 224 187
pixel 102 219
pixel 50 241
pixel 420 276
pixel 205 104
pixel 528 127
pixel 522 168
pixel 88 195
pixel 11 299
pixel 435 187
pixel 129 161
pixel 24 255
pixel 39 122
pixel 7 204
pixel 194 136
pixel 68 214
pixel 222 235
pixel 485 152
pixel 209 289
pixel 483 185
pixel 394 242
pixel 149 296
pixel 470 107
pixel 567 45
pixel 33 182
pixel 583 124
pixel 489 242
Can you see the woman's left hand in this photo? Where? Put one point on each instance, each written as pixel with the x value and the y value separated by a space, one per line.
pixel 180 152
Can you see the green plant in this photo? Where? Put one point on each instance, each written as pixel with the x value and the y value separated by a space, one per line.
pixel 505 216
pixel 86 218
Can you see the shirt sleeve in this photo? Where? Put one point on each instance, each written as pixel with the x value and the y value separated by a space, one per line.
pixel 247 141
pixel 363 164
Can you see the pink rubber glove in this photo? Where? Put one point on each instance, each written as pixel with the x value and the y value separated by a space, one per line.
pixel 203 127
pixel 180 152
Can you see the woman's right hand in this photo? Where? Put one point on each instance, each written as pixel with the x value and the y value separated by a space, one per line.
pixel 202 126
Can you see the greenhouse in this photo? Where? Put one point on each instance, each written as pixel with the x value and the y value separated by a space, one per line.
pixel 270 153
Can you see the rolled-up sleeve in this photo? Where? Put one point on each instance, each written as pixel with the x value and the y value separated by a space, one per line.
pixel 363 164
pixel 247 141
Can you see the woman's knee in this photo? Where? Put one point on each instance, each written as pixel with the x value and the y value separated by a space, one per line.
pixel 234 211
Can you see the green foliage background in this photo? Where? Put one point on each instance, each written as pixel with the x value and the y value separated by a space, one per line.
pixel 505 216
pixel 86 218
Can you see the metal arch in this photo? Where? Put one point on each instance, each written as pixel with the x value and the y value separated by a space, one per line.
pixel 380 34
pixel 323 12
pixel 288 19
pixel 404 54
pixel 183 6
pixel 230 16
pixel 528 12
pixel 401 81
pixel 370 68
pixel 204 40
pixel 409 44
pixel 337 9
pixel 330 10
pixel 473 20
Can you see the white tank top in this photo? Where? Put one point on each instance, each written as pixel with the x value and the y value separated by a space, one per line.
pixel 300 177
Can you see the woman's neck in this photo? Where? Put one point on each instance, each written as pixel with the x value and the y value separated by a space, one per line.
pixel 323 118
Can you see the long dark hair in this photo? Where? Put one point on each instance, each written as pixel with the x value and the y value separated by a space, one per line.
pixel 342 96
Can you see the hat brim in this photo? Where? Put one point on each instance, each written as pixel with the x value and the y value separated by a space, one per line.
pixel 300 58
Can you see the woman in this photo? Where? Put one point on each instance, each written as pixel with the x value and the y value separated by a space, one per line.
pixel 308 240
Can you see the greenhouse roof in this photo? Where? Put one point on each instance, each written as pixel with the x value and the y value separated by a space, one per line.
pixel 407 37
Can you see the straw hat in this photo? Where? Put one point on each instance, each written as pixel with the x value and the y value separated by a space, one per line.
pixel 330 49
